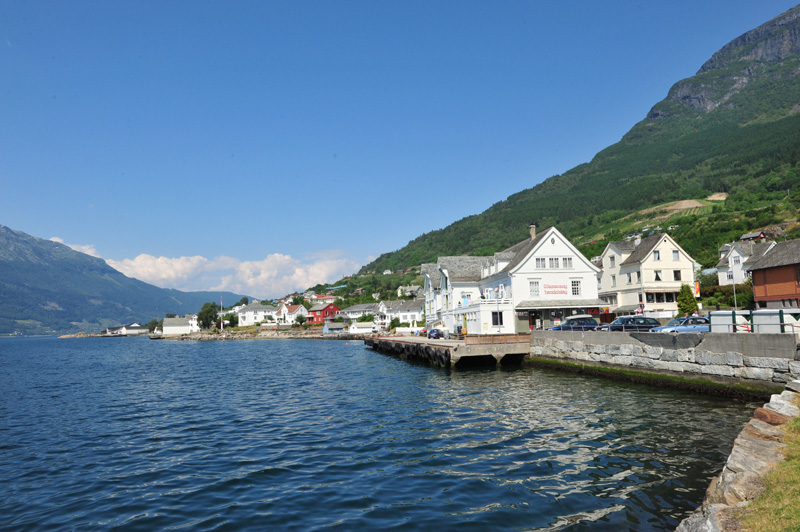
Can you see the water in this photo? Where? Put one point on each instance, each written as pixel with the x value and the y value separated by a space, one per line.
pixel 304 435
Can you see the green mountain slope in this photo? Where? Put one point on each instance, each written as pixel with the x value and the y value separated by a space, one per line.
pixel 46 287
pixel 732 128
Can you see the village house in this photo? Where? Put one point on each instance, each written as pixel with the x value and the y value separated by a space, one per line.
pixel 290 313
pixel 322 312
pixel 255 313
pixel 409 291
pixel 405 311
pixel 776 277
pixel 645 275
pixel 363 327
pixel 531 285
pixel 178 326
pixel 354 312
pixel 736 258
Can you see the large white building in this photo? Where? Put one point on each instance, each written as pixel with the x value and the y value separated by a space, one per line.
pixel 531 285
pixel 736 258
pixel 645 275
pixel 257 313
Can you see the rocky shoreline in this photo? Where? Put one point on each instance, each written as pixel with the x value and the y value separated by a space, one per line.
pixel 756 450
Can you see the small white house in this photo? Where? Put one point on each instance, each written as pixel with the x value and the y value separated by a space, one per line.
pixel 363 327
pixel 257 313
pixel 289 313
pixel 178 326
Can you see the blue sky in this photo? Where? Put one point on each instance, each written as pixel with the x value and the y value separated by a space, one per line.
pixel 264 147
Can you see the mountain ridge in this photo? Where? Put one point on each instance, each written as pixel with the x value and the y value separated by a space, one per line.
pixel 732 128
pixel 47 287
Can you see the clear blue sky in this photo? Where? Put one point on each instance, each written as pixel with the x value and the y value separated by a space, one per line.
pixel 263 146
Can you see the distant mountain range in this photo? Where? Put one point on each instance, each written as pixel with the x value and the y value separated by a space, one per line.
pixel 730 134
pixel 47 287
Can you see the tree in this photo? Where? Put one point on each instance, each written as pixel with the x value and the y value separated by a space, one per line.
pixel 686 301
pixel 300 319
pixel 151 325
pixel 366 318
pixel 171 315
pixel 232 319
pixel 243 301
pixel 207 315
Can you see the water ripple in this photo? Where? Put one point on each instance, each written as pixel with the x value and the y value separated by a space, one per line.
pixel 296 435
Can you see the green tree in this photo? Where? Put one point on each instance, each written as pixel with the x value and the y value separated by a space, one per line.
pixel 686 301
pixel 232 319
pixel 300 319
pixel 243 301
pixel 366 318
pixel 207 316
pixel 151 325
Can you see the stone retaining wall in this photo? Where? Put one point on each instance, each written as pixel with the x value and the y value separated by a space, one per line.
pixel 713 355
pixel 756 450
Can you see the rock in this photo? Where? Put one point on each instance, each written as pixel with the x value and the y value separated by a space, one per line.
pixel 783 406
pixel 793 385
pixel 771 416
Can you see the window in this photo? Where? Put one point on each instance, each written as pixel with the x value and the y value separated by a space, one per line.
pixel 539 262
pixel 658 275
pixel 675 255
pixel 676 275
pixel 613 280
pixel 554 262
pixel 576 288
pixel 567 262
pixel 497 318
pixel 534 288
pixel 639 277
pixel 730 276
pixel 629 278
pixel 612 260
pixel 737 260
pixel 651 298
pixel 656 255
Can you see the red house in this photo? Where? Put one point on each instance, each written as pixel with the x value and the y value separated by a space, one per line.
pixel 776 277
pixel 319 313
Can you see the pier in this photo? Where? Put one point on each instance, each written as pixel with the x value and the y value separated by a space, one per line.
pixel 477 351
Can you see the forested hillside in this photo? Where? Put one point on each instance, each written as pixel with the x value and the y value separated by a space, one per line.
pixel 46 287
pixel 732 131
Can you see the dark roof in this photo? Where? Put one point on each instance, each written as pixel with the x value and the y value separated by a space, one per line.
pixel 431 271
pixel 623 245
pixel 759 248
pixel 749 248
pixel 462 268
pixel 783 254
pixel 643 249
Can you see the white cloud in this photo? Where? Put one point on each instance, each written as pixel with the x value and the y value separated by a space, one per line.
pixel 88 248
pixel 274 276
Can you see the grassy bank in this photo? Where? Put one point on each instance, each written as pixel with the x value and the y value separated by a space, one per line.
pixel 778 508
pixel 727 388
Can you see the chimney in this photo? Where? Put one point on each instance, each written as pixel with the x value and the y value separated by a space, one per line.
pixel 532 227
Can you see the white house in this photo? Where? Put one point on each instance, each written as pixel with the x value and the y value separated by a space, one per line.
pixel 405 311
pixel 178 326
pixel 736 257
pixel 645 275
pixel 533 284
pixel 257 313
pixel 354 312
pixel 289 313
pixel 363 327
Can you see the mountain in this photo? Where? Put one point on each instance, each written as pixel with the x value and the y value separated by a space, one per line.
pixel 47 287
pixel 728 138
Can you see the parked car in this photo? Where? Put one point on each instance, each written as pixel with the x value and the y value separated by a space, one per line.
pixel 438 333
pixel 633 323
pixel 578 322
pixel 685 324
pixel 602 327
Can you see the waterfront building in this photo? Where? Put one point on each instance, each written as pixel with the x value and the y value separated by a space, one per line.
pixel 736 258
pixel 177 326
pixel 776 277
pixel 322 312
pixel 256 312
pixel 532 285
pixel 289 313
pixel 645 275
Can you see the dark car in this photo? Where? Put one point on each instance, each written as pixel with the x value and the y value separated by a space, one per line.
pixel 437 333
pixel 633 323
pixel 686 324
pixel 602 327
pixel 581 322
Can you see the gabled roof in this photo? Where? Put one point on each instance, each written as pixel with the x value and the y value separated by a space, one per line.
pixel 258 307
pixel 176 322
pixel 430 271
pixel 292 309
pixel 362 307
pixel 746 249
pixel 462 269
pixel 643 249
pixel 623 246
pixel 783 254
pixel 759 249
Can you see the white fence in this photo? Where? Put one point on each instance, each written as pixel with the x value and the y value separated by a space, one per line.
pixel 768 321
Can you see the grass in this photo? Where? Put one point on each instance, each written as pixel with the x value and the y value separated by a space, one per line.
pixel 778 508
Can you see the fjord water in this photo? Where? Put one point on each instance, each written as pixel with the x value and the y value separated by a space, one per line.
pixel 305 435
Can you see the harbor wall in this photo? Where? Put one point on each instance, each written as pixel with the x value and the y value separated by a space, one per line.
pixel 764 358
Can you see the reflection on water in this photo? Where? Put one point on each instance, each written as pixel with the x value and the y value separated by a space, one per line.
pixel 300 435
